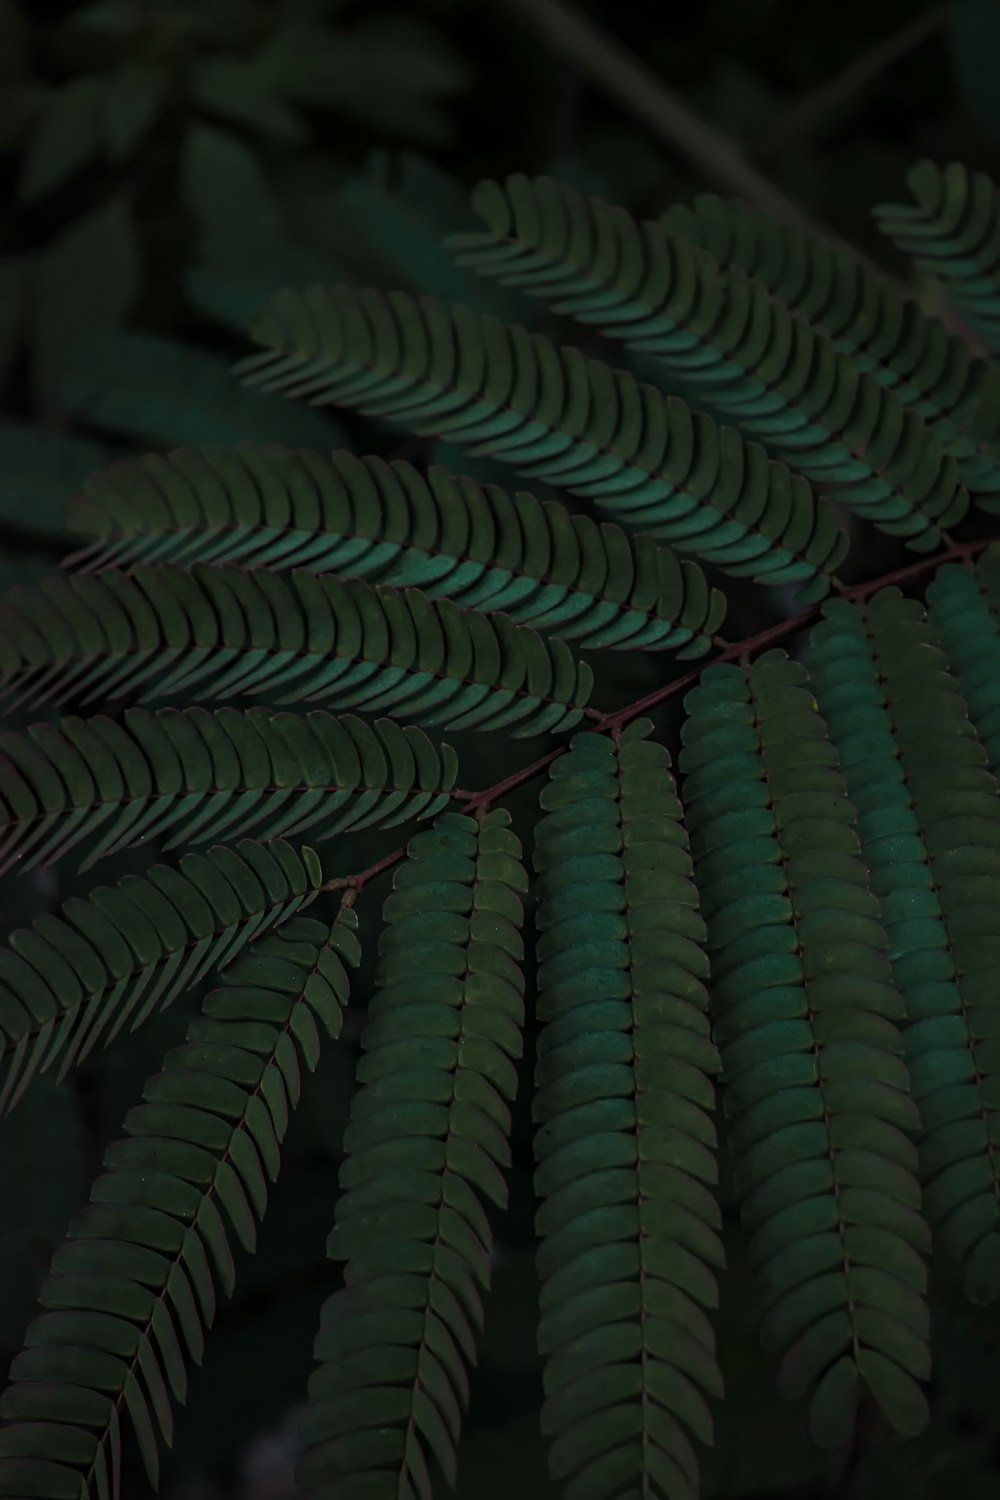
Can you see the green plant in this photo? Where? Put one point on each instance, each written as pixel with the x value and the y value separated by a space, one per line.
pixel 813 911
pixel 164 165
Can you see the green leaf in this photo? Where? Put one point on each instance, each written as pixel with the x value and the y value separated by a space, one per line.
pixel 39 470
pixel 225 188
pixel 240 91
pixel 135 95
pixel 86 280
pixel 165 392
pixel 66 137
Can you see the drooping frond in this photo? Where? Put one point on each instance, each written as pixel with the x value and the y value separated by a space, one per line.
pixel 426 1143
pixel 195 776
pixel 626 1145
pixel 132 1291
pixel 69 982
pixel 953 232
pixel 929 826
pixel 556 416
pixel 931 370
pixel 216 632
pixel 964 609
pixel 807 1021
pixel 770 371
pixel 365 518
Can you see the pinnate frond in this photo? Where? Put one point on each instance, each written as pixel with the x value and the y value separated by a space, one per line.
pixel 951 232
pixel 133 1289
pixel 553 415
pixel 365 518
pixel 625 1144
pixel 931 840
pixel 197 775
pixel 745 351
pixel 69 982
pixel 219 632
pixel 427 1142
pixel 807 1019
pixel 931 370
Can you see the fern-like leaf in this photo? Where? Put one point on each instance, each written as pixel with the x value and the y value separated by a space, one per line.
pixel 133 1289
pixel 68 982
pixel 216 632
pixel 953 233
pixel 197 776
pixel 553 415
pixel 772 372
pixel 807 1020
pixel 932 845
pixel 931 370
pixel 365 518
pixel 427 1141
pixel 626 1145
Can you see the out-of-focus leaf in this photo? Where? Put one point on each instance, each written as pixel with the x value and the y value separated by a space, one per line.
pixel 974 27
pixel 164 392
pixel 225 188
pixel 39 471
pixel 239 91
pixel 66 136
pixel 134 96
pixel 391 74
pixel 386 227
pixel 86 279
pixel 233 288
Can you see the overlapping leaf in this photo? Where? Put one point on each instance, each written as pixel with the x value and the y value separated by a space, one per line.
pixel 365 518
pixel 626 1145
pixel 427 1142
pixel 132 1291
pixel 69 982
pixel 217 632
pixel 553 415
pixel 772 372
pixel 807 1020
pixel 195 775
pixel 964 609
pixel 953 232
pixel 929 824
pixel 932 371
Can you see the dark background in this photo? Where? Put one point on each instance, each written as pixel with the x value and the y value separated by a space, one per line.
pixel 164 169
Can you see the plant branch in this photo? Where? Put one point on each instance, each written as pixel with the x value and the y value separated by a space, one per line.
pixel 741 651
pixel 810 110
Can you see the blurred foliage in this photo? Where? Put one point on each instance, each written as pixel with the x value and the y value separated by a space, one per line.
pixel 166 166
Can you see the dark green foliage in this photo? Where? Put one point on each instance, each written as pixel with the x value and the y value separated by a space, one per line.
pixel 744 351
pixel 133 1291
pixel 427 1143
pixel 811 914
pixel 555 416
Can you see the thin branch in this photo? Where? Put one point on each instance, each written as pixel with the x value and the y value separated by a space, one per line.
pixel 638 89
pixel 810 110
pixel 739 651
